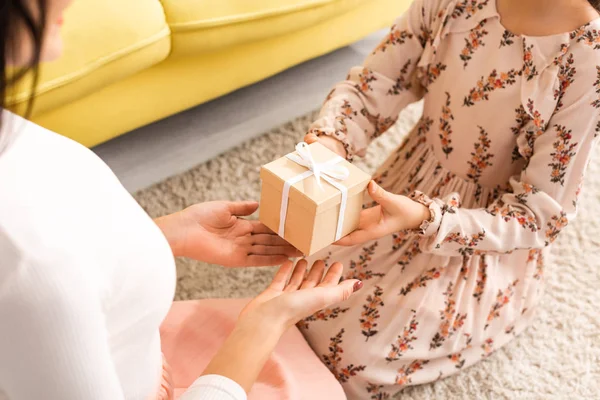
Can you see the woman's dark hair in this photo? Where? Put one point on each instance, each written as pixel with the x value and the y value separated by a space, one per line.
pixel 14 15
pixel 595 4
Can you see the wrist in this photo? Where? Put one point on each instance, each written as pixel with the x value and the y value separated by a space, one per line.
pixel 419 215
pixel 334 144
pixel 269 328
pixel 245 351
pixel 170 225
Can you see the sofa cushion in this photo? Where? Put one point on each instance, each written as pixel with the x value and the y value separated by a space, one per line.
pixel 105 41
pixel 200 26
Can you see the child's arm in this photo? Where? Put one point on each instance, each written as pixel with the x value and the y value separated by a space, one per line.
pixel 544 195
pixel 369 101
pixel 541 200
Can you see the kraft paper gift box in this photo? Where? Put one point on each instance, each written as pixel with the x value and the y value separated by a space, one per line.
pixel 311 212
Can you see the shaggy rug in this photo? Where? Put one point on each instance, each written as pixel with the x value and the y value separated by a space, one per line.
pixel 556 358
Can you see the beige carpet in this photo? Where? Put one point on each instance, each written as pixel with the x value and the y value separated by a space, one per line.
pixel 557 358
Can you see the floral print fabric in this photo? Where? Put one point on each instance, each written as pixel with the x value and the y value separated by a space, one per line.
pixel 508 127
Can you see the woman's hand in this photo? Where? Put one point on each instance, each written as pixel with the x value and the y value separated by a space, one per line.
pixel 394 213
pixel 213 232
pixel 330 142
pixel 266 318
pixel 289 299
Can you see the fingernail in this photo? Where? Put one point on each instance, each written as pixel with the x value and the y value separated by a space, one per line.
pixel 357 286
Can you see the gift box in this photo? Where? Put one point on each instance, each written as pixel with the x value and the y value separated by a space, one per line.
pixel 311 197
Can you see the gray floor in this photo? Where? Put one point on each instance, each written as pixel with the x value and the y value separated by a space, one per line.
pixel 178 143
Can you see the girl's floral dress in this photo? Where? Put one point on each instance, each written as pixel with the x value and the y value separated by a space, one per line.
pixel 508 127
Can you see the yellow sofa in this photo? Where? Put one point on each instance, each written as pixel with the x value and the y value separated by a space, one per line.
pixel 128 63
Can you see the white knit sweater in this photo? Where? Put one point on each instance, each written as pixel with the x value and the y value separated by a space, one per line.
pixel 86 278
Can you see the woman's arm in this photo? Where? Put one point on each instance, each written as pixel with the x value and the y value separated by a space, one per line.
pixel 266 318
pixel 368 102
pixel 236 366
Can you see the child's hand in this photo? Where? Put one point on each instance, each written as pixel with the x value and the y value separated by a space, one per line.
pixel 330 142
pixel 394 213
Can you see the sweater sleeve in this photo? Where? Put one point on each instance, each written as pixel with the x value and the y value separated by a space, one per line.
pixel 53 337
pixel 542 199
pixel 214 387
pixel 368 102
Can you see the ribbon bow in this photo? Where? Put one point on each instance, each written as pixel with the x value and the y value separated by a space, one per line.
pixel 329 171
pixel 328 168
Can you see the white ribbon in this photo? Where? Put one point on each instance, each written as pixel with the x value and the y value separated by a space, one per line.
pixel 329 171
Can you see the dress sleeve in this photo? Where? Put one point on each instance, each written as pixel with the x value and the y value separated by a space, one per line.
pixel 368 102
pixel 53 336
pixel 542 199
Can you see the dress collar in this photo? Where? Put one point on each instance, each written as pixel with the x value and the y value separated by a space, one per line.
pixel 465 15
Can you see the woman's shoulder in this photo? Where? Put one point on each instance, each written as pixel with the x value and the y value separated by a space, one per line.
pixel 53 190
